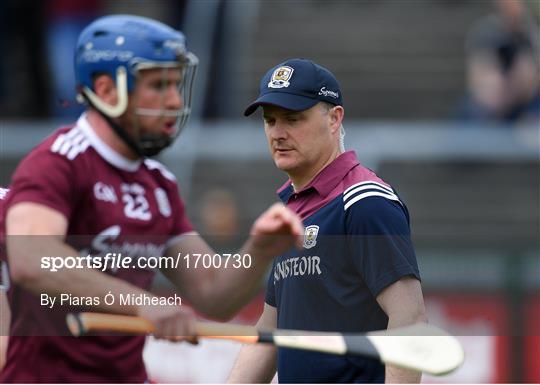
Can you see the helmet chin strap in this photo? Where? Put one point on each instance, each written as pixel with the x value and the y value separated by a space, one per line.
pixel 121 89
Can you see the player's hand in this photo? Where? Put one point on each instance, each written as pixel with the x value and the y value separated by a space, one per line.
pixel 173 323
pixel 276 231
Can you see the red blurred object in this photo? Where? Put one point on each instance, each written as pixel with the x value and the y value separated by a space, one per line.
pixel 470 315
pixel 532 340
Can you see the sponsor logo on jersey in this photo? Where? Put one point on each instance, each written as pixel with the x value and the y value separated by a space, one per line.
pixel 163 202
pixel 297 266
pixel 108 240
pixel 281 76
pixel 310 236
pixel 104 192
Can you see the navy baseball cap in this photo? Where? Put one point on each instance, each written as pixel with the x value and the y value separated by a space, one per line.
pixel 297 84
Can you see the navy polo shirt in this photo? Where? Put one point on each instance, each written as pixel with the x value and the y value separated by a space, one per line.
pixel 357 242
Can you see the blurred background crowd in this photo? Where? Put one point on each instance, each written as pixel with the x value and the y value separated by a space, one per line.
pixel 473 61
pixel 442 99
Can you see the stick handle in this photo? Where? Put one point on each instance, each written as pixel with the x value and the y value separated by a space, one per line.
pixel 82 323
pixel 245 334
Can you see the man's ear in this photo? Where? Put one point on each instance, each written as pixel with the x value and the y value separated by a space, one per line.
pixel 105 89
pixel 336 117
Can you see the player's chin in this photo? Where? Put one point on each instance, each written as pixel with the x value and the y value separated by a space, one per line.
pixel 284 163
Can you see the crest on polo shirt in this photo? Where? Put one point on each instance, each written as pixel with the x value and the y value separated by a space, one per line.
pixel 281 76
pixel 310 236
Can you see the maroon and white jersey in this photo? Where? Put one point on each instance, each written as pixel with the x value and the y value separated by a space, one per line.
pixel 112 204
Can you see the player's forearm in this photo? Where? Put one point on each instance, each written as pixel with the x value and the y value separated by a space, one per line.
pixel 395 375
pixel 3 350
pixel 27 271
pixel 403 318
pixel 275 232
pixel 221 295
pixel 403 303
pixel 4 326
pixel 226 286
pixel 255 364
pixel 219 292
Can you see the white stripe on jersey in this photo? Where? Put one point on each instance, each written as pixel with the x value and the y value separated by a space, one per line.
pixel 365 187
pixel 387 188
pixel 354 193
pixel 3 192
pixel 71 144
pixel 370 194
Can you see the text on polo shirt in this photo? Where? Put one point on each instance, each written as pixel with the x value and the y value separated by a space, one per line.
pixel 297 266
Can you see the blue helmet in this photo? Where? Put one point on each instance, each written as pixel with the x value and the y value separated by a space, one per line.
pixel 120 46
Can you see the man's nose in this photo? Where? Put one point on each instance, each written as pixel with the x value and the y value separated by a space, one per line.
pixel 278 131
pixel 174 100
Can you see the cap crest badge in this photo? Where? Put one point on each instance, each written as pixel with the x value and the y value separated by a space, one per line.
pixel 280 77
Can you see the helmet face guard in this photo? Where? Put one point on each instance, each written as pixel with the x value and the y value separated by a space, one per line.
pixel 150 143
pixel 121 47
